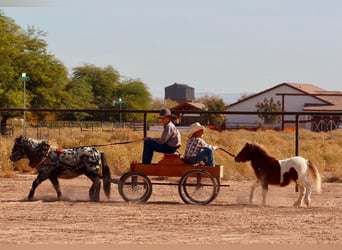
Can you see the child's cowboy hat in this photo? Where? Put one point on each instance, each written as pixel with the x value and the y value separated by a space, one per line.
pixel 165 113
pixel 195 127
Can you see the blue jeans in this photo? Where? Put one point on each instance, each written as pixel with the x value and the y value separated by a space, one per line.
pixel 150 146
pixel 206 155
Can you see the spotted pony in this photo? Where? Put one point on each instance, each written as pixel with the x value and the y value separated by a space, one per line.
pixel 52 163
pixel 270 171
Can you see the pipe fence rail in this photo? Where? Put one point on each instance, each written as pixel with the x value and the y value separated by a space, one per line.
pixel 145 112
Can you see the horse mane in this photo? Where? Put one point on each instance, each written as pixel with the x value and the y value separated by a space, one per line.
pixel 261 149
pixel 36 142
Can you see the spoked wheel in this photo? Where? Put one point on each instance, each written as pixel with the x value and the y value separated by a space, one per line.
pixel 218 185
pixel 135 187
pixel 197 187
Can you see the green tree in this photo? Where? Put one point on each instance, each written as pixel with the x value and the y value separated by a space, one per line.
pixel 80 96
pixel 214 103
pixel 134 95
pixel 49 86
pixel 109 92
pixel 26 51
pixel 102 82
pixel 158 103
pixel 269 105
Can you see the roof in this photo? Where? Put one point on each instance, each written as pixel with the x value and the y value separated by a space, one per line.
pixel 179 85
pixel 190 106
pixel 332 99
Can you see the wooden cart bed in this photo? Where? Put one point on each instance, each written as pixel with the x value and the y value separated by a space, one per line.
pixel 173 166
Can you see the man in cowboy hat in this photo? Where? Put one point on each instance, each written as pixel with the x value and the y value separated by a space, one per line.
pixel 169 141
pixel 197 149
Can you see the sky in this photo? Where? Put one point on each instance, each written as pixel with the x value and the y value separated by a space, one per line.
pixel 214 46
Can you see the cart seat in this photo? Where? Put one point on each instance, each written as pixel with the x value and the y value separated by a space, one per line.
pixel 171 159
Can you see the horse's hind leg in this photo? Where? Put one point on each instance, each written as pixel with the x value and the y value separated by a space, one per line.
pixel 308 190
pixel 298 203
pixel 94 191
pixel 56 186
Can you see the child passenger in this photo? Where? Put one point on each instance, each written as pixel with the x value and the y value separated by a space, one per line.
pixel 197 149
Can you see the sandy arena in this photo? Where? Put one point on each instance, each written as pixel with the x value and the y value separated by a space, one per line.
pixel 165 219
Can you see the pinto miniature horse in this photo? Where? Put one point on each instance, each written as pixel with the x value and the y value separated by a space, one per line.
pixel 269 170
pixel 53 163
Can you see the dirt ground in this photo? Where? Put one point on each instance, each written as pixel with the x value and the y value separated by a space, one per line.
pixel 165 219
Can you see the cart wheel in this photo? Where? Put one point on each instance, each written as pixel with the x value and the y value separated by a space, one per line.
pixel 135 187
pixel 218 185
pixel 197 187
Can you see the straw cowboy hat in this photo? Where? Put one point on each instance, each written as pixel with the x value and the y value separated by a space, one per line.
pixel 165 113
pixel 195 127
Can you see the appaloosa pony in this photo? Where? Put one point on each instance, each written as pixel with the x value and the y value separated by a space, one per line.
pixel 269 170
pixel 53 163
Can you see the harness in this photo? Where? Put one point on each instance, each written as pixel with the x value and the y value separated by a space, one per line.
pixel 39 155
pixel 58 152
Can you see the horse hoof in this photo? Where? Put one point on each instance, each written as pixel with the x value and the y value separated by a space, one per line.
pixel 94 199
pixel 297 204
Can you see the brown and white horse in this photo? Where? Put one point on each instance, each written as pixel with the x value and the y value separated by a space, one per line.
pixel 53 163
pixel 270 171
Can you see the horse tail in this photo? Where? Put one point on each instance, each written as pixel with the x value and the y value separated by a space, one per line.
pixel 106 176
pixel 315 175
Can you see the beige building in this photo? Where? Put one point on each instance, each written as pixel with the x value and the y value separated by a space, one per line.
pixel 294 97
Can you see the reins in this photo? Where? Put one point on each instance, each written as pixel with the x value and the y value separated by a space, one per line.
pixel 113 143
pixel 232 155
pixel 128 142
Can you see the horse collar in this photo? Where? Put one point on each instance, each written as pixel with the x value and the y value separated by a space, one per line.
pixel 40 155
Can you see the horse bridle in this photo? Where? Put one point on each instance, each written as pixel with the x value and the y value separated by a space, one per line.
pixel 38 155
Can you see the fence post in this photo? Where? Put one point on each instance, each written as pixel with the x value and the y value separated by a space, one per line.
pixel 297 132
pixel 145 125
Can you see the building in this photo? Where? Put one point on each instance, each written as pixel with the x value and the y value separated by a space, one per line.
pixel 180 93
pixel 185 119
pixel 294 97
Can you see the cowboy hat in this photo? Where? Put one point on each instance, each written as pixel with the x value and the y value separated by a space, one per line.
pixel 195 127
pixel 165 113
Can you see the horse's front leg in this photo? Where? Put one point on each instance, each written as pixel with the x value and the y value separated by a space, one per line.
pixel 56 186
pixel 264 185
pixel 40 178
pixel 251 195
pixel 264 194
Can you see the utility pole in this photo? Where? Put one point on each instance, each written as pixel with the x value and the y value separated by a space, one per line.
pixel 24 78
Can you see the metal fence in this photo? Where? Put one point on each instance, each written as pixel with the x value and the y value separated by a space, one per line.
pixel 143 125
